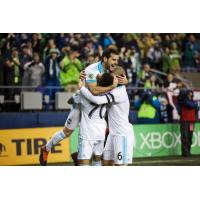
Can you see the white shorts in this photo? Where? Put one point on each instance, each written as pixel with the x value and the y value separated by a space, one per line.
pixel 86 148
pixel 73 118
pixel 119 149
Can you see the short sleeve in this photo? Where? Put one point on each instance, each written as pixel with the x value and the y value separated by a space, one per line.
pixel 91 76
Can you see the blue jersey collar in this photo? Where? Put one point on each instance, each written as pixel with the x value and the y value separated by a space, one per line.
pixel 100 67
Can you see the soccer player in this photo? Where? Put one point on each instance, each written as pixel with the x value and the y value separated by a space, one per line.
pixel 119 145
pixel 108 62
pixel 92 127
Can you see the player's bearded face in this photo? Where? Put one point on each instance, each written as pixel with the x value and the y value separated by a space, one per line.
pixel 112 62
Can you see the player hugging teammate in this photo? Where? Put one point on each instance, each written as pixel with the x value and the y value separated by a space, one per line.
pixel 101 90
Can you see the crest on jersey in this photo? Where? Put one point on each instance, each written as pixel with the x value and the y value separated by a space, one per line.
pixel 91 76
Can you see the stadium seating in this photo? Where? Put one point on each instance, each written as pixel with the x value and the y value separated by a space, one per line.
pixel 31 101
pixel 62 98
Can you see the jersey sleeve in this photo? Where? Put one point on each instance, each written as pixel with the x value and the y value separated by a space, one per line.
pixel 104 99
pixel 91 76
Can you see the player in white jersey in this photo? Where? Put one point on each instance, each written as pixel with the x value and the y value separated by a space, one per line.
pixel 119 145
pixel 108 62
pixel 92 128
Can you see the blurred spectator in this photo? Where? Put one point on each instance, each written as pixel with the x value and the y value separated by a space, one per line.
pixel 176 38
pixel 197 62
pixel 23 37
pixel 50 45
pixel 148 109
pixel 170 82
pixel 35 70
pixel 147 40
pixel 175 58
pixel 12 74
pixel 97 58
pixel 17 65
pixel 173 91
pixel 14 65
pixel 188 111
pixel 155 56
pixel 166 60
pixel 30 48
pixel 36 42
pixel 191 53
pixel 89 60
pixel 131 62
pixel 152 83
pixel 89 49
pixel 70 70
pixel 108 40
pixel 145 74
pixel 25 57
pixel 165 111
pixel 9 43
pixel 52 74
pixel 166 43
pixel 62 40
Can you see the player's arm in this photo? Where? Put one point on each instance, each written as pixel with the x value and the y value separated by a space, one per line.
pixel 95 99
pixel 91 82
pixel 116 96
pixel 96 90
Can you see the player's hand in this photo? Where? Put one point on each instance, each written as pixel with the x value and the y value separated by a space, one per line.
pixel 115 82
pixel 122 80
pixel 82 75
pixel 81 83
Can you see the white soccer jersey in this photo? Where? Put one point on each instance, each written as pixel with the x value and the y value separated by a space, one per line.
pixel 119 111
pixel 92 71
pixel 92 124
pixel 119 145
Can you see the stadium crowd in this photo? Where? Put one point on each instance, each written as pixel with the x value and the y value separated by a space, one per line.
pixel 35 61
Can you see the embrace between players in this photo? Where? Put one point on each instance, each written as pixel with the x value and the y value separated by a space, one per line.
pixel 101 90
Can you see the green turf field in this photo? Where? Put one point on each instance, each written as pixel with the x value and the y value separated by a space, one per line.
pixel 157 161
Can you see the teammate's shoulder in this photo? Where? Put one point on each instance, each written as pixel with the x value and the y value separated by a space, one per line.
pixel 119 88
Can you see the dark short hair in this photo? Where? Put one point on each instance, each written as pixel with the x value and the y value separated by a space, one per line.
pixel 107 52
pixel 74 48
pixel 105 80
